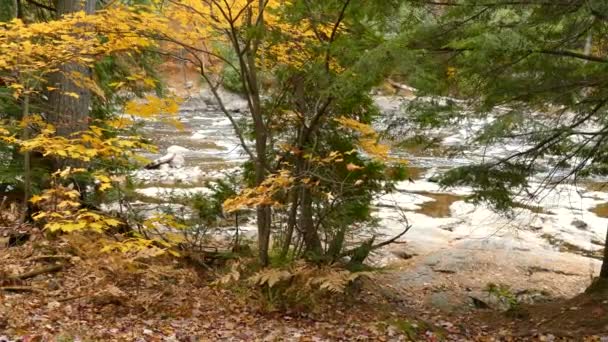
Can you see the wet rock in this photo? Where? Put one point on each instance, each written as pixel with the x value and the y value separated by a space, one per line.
pixel 194 104
pixel 444 301
pixel 388 104
pixel 178 150
pixel 478 303
pixel 535 269
pixel 173 159
pixel 177 161
pixel 530 296
pixel 582 225
pixel 183 175
pixel 486 300
pixel 231 101
pixel 404 255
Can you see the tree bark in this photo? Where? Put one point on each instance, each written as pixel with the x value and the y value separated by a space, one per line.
pixel 15 8
pixel 264 213
pixel 309 232
pixel 27 170
pixel 604 270
pixel 69 103
pixel 291 221
pixel 264 219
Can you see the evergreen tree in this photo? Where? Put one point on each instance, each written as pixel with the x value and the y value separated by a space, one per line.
pixel 544 63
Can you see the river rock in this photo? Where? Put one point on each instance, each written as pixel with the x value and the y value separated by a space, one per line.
pixel 232 102
pixel 178 150
pixel 582 225
pixel 389 104
pixel 178 161
pixel 194 104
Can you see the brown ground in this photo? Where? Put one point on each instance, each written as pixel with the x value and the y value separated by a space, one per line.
pixel 585 314
pixel 99 296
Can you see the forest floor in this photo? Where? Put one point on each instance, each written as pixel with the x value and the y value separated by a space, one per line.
pixel 68 290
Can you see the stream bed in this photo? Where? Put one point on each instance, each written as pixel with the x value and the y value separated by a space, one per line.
pixel 553 243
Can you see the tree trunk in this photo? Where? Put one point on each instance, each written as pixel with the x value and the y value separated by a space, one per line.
pixel 264 219
pixel 604 271
pixel 15 8
pixel 309 232
pixel 27 170
pixel 69 104
pixel 291 221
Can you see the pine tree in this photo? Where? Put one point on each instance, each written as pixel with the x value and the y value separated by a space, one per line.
pixel 527 57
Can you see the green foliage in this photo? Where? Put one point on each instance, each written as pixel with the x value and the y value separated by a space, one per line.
pixel 7 10
pixel 231 77
pixel 503 294
pixel 536 69
pixel 495 185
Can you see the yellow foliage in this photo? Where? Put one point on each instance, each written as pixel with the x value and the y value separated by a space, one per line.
pixel 60 209
pixel 43 46
pixel 152 106
pixel 83 146
pixel 263 194
pixel 368 140
pixel 136 248
pixel 163 221
pixel 105 182
pixel 451 72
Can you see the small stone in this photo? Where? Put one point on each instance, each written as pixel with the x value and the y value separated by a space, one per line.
pixel 148 332
pixel 53 305
pixel 582 225
pixel 53 285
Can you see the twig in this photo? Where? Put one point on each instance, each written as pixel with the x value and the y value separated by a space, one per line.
pixel 42 270
pixel 50 257
pixel 20 289
pixel 67 299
